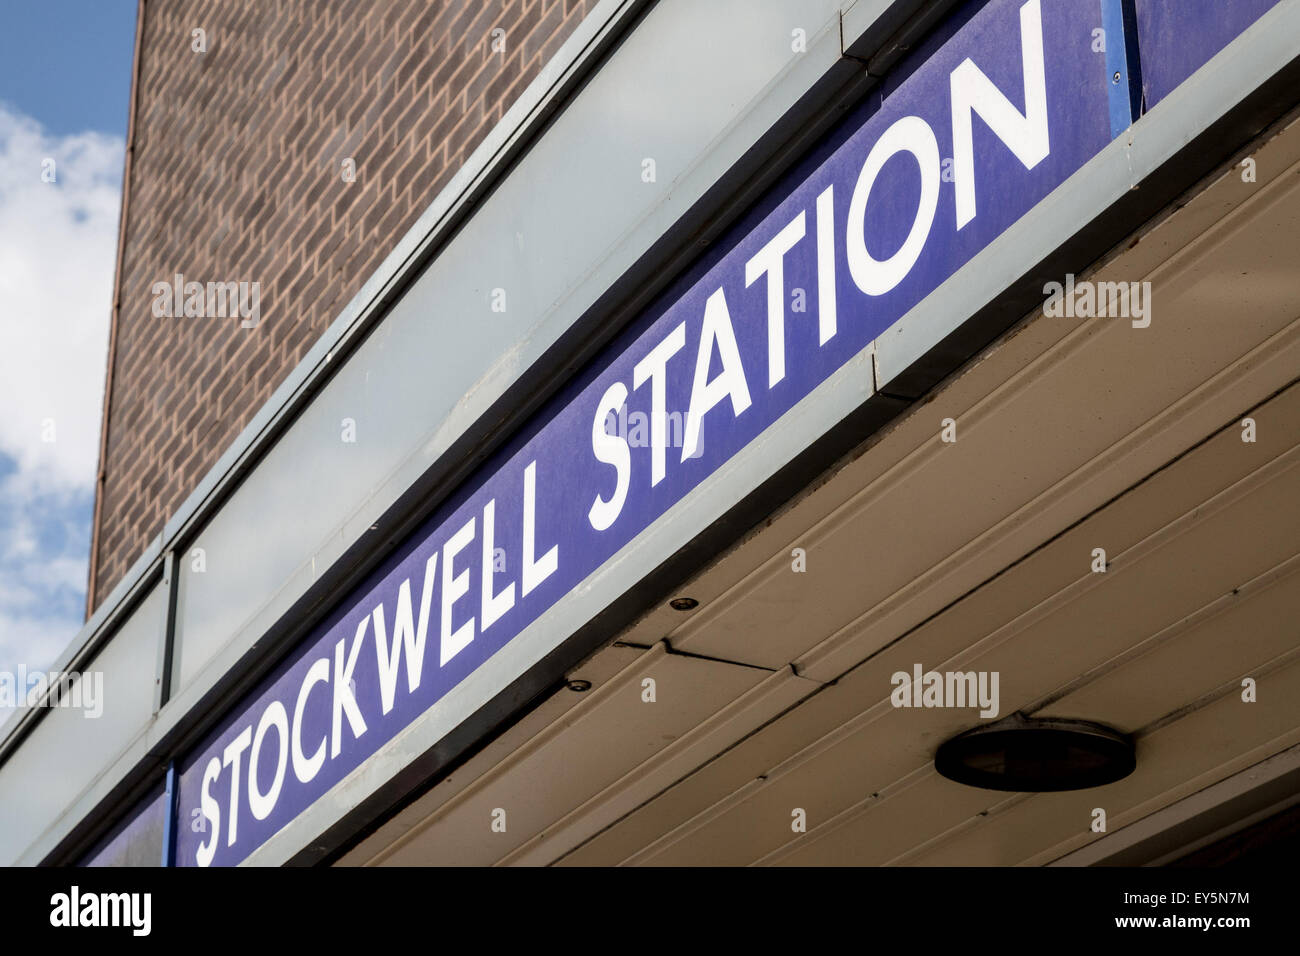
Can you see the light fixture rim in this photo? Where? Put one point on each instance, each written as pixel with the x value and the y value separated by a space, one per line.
pixel 1115 747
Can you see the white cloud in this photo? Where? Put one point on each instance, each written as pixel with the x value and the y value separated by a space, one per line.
pixel 57 251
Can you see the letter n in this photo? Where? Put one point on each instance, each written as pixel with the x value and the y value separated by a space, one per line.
pixel 973 92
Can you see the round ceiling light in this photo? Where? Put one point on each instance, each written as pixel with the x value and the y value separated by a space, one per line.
pixel 1026 755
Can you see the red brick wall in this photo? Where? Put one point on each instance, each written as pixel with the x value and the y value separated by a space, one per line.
pixel 237 175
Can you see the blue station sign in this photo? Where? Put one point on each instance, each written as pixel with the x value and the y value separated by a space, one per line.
pixel 961 140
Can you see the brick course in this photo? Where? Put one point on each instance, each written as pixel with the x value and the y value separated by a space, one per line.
pixel 236 176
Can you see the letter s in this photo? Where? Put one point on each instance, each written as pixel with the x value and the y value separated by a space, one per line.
pixel 212 810
pixel 612 450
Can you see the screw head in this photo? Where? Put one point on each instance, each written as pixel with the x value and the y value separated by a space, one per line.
pixel 1116 77
pixel 578 686
pixel 683 604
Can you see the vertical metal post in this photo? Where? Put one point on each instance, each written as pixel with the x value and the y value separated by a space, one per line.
pixel 1124 73
pixel 169 820
pixel 162 687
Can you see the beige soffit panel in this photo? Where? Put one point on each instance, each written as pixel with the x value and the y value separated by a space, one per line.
pixel 848 747
pixel 613 732
pixel 1205 817
pixel 1141 694
pixel 1178 759
pixel 597 670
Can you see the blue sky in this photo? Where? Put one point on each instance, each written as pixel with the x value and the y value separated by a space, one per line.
pixel 67 63
pixel 65 75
